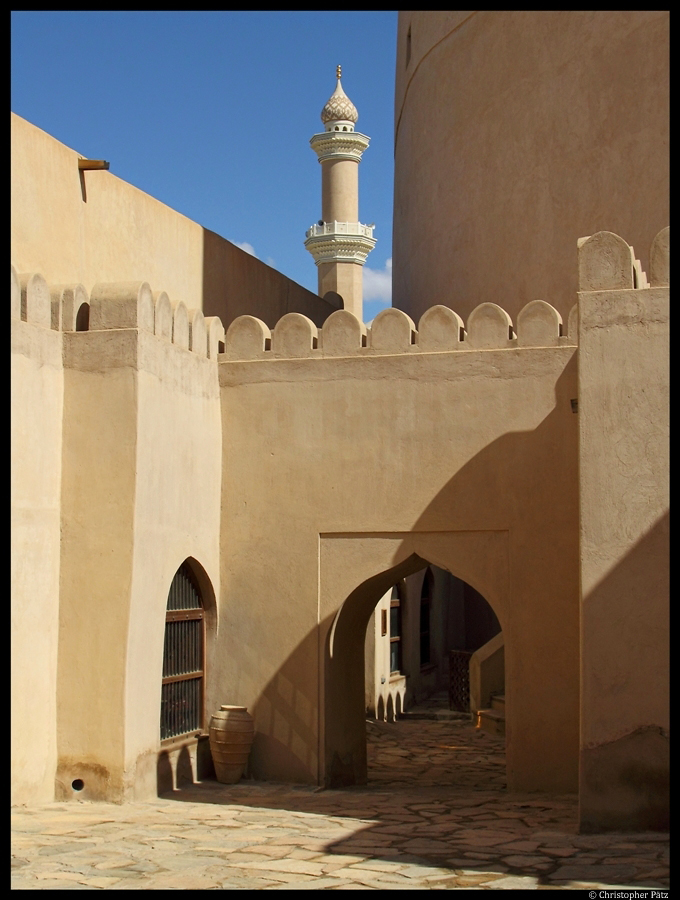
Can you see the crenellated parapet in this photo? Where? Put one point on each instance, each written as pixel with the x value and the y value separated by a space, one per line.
pixel 34 303
pixel 607 263
pixel 114 306
pixel 440 330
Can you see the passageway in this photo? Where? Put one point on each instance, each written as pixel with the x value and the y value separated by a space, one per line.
pixel 434 667
pixel 430 752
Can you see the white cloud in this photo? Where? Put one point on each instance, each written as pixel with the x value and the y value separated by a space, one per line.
pixel 378 284
pixel 244 245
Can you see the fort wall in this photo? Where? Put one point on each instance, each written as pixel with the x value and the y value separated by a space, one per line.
pixel 306 470
pixel 347 450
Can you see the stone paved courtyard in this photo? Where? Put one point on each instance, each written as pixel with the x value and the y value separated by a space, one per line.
pixel 434 815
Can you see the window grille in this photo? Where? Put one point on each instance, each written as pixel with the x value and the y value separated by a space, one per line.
pixel 459 680
pixel 183 658
pixel 425 605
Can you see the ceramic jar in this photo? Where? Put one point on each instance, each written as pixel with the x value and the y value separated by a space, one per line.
pixel 231 736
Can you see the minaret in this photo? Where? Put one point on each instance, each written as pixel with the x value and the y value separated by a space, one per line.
pixel 340 243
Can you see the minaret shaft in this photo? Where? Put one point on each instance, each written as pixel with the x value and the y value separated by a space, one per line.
pixel 345 279
pixel 340 190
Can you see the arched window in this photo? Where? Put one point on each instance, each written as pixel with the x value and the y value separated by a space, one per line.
pixel 183 657
pixel 425 609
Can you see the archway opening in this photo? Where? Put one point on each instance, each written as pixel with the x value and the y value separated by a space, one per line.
pixel 418 636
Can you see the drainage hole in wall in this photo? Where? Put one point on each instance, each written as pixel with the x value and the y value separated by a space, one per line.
pixel 78 784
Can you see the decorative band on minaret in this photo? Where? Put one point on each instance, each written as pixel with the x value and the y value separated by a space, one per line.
pixel 339 243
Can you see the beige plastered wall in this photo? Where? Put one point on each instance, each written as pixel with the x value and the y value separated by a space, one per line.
pixel 624 471
pixel 141 479
pixel 36 431
pixel 516 133
pixel 92 227
pixel 343 475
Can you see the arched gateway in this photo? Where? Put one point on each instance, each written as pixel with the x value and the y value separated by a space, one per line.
pixel 344 728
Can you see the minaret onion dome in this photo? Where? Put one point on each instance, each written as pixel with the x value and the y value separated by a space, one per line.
pixel 339 114
pixel 339 243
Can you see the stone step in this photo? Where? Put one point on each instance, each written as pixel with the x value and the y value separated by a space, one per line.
pixel 434 714
pixel 498 702
pixel 491 720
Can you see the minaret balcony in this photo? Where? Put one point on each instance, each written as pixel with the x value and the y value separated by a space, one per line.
pixel 340 242
pixel 326 228
pixel 339 145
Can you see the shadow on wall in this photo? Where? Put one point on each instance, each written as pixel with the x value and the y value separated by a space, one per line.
pixel 235 283
pixel 285 747
pixel 529 478
pixel 625 781
pixel 165 777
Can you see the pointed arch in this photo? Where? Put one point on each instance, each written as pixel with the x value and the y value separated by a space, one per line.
pixel 190 611
pixel 480 559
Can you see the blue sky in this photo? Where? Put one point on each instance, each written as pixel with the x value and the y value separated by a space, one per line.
pixel 211 112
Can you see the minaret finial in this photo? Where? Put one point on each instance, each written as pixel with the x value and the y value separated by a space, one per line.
pixel 338 72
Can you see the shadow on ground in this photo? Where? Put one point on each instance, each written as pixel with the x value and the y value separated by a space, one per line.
pixel 436 798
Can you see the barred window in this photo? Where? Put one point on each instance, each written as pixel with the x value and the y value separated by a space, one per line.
pixel 395 631
pixel 183 658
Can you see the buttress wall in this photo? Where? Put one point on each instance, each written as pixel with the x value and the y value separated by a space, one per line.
pixel 141 484
pixel 37 385
pixel 623 370
pixel 116 481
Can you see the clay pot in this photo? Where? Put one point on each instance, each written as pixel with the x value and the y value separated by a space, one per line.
pixel 231 736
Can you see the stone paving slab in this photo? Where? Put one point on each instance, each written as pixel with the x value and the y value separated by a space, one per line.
pixel 408 829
